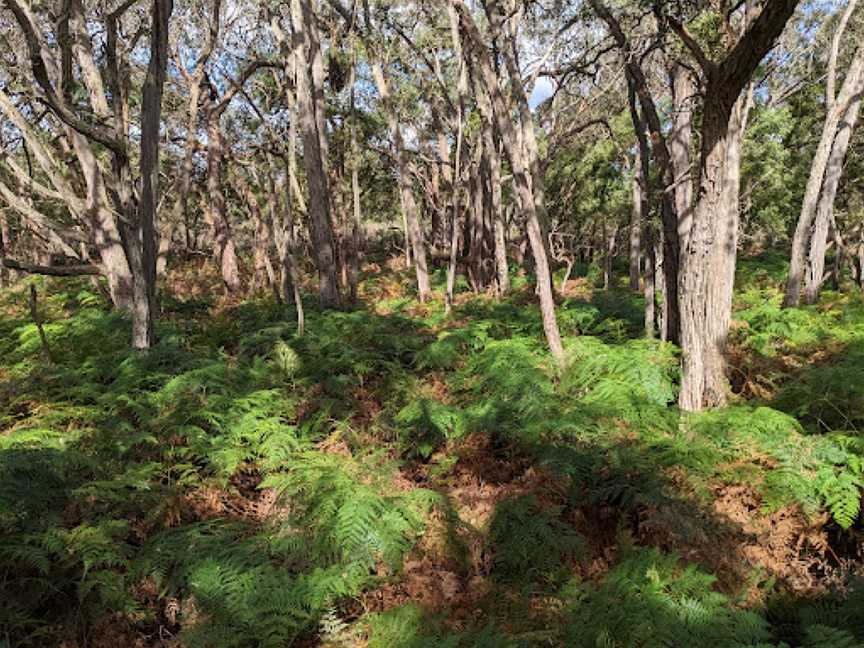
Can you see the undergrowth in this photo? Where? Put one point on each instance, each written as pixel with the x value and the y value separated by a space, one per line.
pixel 242 486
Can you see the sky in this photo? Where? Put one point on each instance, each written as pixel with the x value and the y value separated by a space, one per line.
pixel 542 90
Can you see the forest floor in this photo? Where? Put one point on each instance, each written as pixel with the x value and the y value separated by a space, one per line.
pixel 401 478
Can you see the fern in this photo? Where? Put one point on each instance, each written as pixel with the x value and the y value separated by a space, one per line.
pixel 650 600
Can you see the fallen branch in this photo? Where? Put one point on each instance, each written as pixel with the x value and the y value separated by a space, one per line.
pixel 53 271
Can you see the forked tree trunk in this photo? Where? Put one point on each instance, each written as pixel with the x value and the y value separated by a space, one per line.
pixel 708 262
pixel 825 208
pixel 521 177
pixel 837 109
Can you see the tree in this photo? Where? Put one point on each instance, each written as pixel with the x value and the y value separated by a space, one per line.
pixel 842 113
pixel 118 220
pixel 708 261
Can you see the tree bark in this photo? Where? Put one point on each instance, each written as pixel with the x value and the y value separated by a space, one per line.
pixel 309 69
pixel 638 89
pixel 142 251
pixel 493 164
pixel 837 108
pixel 680 141
pixel 636 224
pixel 223 239
pixel 825 208
pixel 406 190
pixel 522 178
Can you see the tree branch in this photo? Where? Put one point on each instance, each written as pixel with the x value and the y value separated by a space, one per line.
pixel 97 133
pixel 52 271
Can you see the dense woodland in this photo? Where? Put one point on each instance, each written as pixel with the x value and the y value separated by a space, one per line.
pixel 457 323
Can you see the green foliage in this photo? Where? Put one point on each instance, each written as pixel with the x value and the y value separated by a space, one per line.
pixel 828 396
pixel 259 481
pixel 650 600
pixel 427 424
pixel 530 544
pixel 626 380
pixel 409 626
pixel 342 503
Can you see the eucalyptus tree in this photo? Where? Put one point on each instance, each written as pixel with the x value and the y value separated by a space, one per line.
pixel 809 243
pixel 83 145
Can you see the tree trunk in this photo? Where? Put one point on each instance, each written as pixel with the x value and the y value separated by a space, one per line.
pixel 636 224
pixel 493 164
pixel 261 266
pixel 825 208
pixel 309 70
pixel 708 270
pixel 142 250
pixel 521 176
pixel 680 138
pixel 356 206
pixel 404 171
pixel 224 246
pixel 852 86
pixel 610 235
pixel 184 182
pixel 708 262
pixel 649 287
pixel 455 184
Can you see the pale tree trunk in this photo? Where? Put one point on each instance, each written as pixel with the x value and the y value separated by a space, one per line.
pixel 286 238
pixel 839 256
pixel 636 227
pixel 404 171
pixel 95 209
pixel 356 206
pixel 223 239
pixel 309 69
pixel 610 235
pixel 680 141
pixel 493 163
pixel 660 289
pixel 521 177
pixel 106 233
pixel 526 134
pixel 825 208
pixel 166 240
pixel 445 174
pixel 837 108
pixel 462 89
pixel 142 250
pixel 5 247
pixel 474 229
pixel 184 181
pixel 262 269
pixel 290 283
